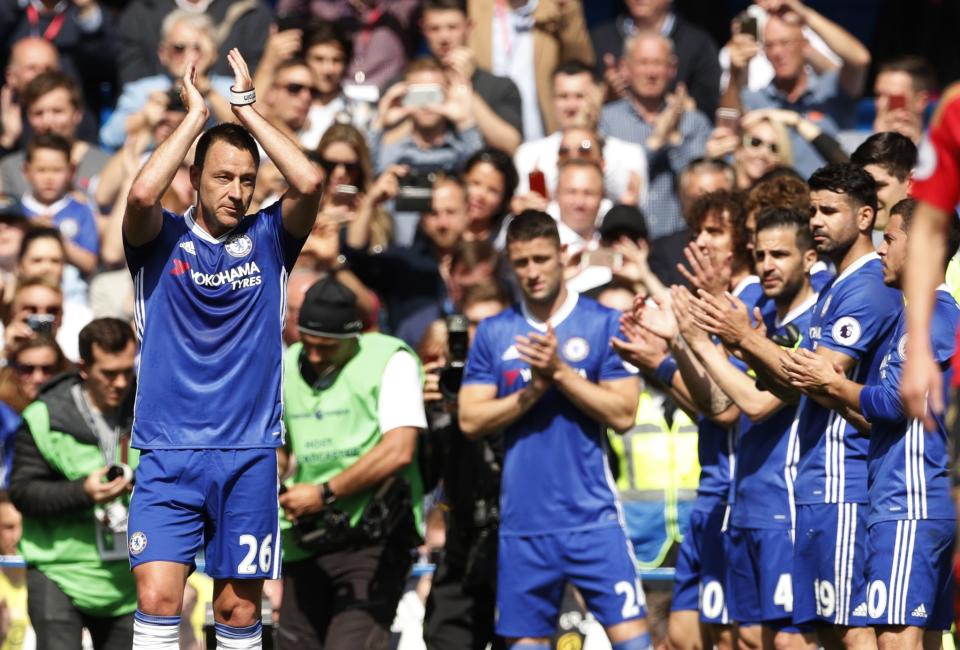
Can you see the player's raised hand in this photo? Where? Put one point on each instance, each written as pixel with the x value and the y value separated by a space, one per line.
pixel 726 317
pixel 100 491
pixel 689 330
pixel 242 81
pixel 706 272
pixel 189 95
pixel 660 322
pixel 642 349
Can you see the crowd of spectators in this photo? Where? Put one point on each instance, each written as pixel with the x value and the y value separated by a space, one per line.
pixel 433 121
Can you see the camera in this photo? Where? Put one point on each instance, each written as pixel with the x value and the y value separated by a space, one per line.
pixel 416 192
pixel 458 344
pixel 41 323
pixel 119 469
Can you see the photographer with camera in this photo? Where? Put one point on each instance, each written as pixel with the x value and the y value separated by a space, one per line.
pixel 352 507
pixel 460 608
pixel 72 475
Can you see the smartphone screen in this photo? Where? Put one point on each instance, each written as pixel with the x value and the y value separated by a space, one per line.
pixel 896 102
pixel 538 183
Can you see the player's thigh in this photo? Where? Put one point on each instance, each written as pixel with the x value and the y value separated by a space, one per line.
pixel 56 623
pixel 242 514
pixel 686 581
pixel 530 582
pixel 166 509
pixel 829 568
pixel 909 574
pixel 600 564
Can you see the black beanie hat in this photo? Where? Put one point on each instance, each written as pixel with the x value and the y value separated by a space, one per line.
pixel 330 309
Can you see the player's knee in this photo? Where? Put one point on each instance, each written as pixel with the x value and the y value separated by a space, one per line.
pixel 859 638
pixel 749 638
pixel 236 612
pixel 681 636
pixel 153 600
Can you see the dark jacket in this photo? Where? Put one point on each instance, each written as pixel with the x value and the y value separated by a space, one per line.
pixel 36 489
pixel 138 35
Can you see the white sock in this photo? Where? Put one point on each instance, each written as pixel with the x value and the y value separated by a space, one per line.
pixel 239 638
pixel 155 632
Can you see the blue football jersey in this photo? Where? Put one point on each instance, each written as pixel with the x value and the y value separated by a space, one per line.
pixel 209 313
pixel 555 472
pixel 908 465
pixel 716 444
pixel 854 315
pixel 767 451
pixel 74 219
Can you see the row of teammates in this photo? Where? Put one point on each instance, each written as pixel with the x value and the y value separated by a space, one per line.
pixel 824 514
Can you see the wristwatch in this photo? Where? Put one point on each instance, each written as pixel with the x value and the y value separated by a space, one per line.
pixel 327 495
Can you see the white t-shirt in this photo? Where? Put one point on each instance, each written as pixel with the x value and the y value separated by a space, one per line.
pixel 621 158
pixel 401 394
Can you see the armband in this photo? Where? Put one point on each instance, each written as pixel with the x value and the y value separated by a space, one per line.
pixel 665 371
pixel 242 97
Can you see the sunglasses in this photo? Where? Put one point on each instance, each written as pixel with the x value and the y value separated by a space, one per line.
pixel 329 166
pixel 42 309
pixel 753 142
pixel 584 150
pixel 296 89
pixel 180 48
pixel 29 368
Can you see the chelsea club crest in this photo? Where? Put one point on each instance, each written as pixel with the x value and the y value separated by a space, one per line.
pixel 239 245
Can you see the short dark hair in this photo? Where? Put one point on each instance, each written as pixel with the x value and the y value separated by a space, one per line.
pixel 799 220
pixel 444 5
pixel 503 164
pixel 232 134
pixel 531 224
pixel 906 208
pixel 571 68
pixel 108 334
pixel 472 253
pixel 486 291
pixel 849 179
pixel 423 64
pixel 893 152
pixel 728 207
pixel 921 72
pixel 36 233
pixel 322 32
pixel 49 81
pixel 47 141
pixel 294 62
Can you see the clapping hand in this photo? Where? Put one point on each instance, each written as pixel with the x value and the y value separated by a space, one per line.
pixel 725 316
pixel 707 273
pixel 641 348
pixel 540 351
pixel 189 95
pixel 810 372
pixel 242 81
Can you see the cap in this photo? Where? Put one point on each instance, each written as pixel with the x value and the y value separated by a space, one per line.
pixel 624 220
pixel 330 309
pixel 10 206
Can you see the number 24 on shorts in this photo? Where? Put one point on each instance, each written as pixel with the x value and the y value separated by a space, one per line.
pixel 248 565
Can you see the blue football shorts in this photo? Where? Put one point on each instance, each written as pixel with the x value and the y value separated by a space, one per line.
pixel 533 569
pixel 909 573
pixel 829 564
pixel 223 501
pixel 700 575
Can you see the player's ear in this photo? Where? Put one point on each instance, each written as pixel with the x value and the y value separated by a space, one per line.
pixel 865 218
pixel 809 259
pixel 84 370
pixel 195 177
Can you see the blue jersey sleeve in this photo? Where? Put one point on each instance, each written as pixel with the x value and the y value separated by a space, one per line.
pixel 881 401
pixel 480 367
pixel 854 321
pixel 613 367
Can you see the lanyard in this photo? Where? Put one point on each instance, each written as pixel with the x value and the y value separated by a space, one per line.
pixel 363 41
pixel 108 438
pixel 50 33
pixel 503 21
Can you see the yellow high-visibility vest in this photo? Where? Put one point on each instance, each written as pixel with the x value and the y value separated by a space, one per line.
pixel 659 468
